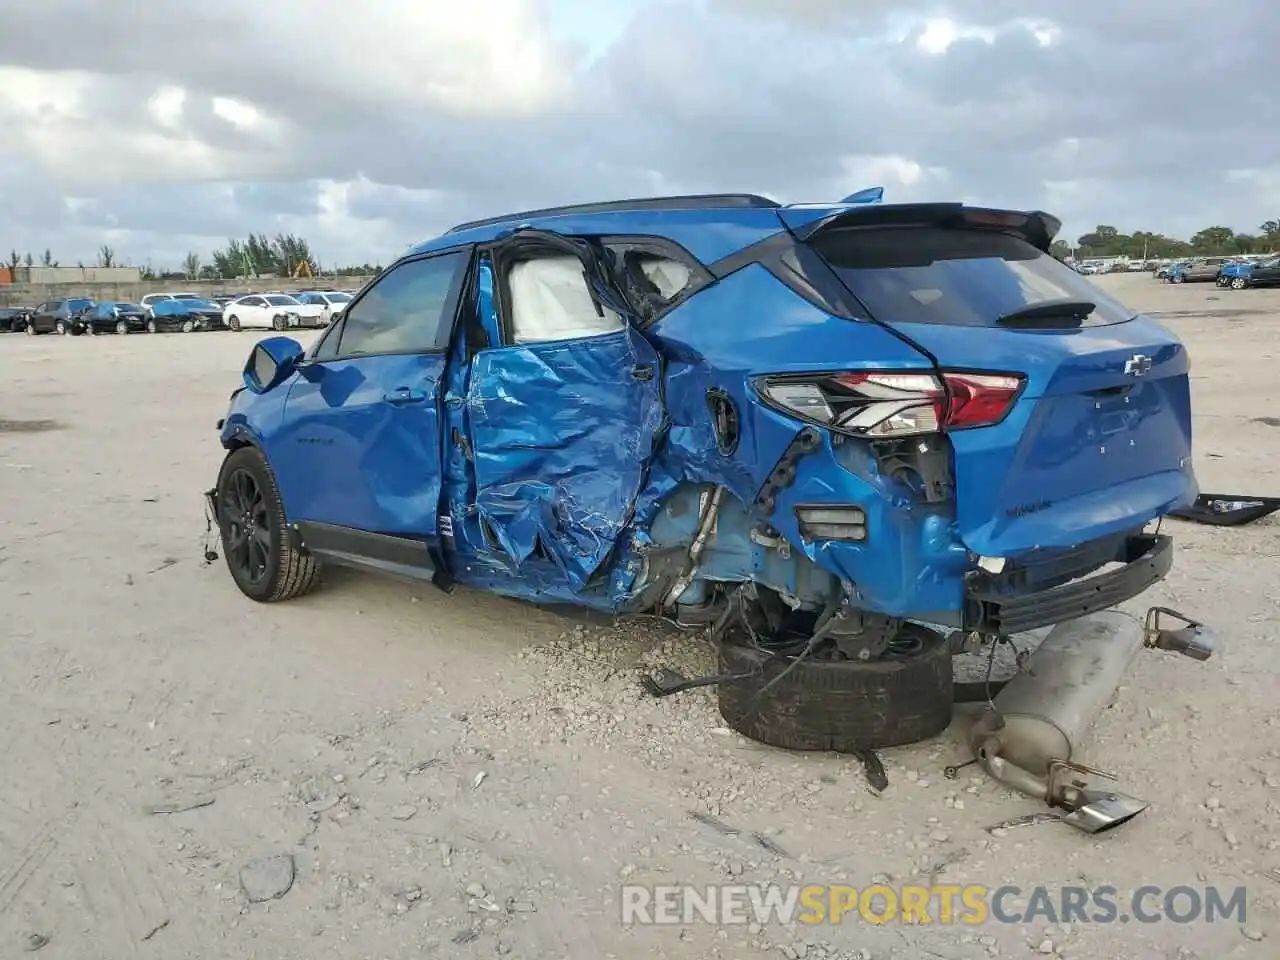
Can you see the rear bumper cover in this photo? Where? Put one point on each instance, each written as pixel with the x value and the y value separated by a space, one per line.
pixel 1145 560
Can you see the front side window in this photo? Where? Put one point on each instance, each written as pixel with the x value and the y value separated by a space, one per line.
pixel 410 309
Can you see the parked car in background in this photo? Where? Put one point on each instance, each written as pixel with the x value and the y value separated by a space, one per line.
pixel 184 316
pixel 331 302
pixel 14 319
pixel 153 298
pixel 1263 273
pixel 1162 272
pixel 118 317
pixel 1086 269
pixel 59 316
pixel 1201 270
pixel 272 311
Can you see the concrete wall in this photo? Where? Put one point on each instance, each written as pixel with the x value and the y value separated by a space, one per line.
pixel 27 294
pixel 56 275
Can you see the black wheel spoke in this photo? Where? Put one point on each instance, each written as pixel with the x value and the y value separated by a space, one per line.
pixel 246 526
pixel 257 559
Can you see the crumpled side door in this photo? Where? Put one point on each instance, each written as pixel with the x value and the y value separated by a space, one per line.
pixel 562 431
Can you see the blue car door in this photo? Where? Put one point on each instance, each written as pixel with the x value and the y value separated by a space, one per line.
pixel 358 454
pixel 564 413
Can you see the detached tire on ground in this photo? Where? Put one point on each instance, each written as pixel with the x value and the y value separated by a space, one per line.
pixel 840 706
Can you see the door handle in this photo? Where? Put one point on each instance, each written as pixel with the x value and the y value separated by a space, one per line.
pixel 402 395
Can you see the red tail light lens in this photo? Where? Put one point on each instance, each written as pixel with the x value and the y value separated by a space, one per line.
pixel 979 399
pixel 887 404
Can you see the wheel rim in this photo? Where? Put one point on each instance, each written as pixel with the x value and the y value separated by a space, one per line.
pixel 187 326
pixel 246 532
pixel 1238 284
pixel 122 328
pixel 62 329
pixel 234 323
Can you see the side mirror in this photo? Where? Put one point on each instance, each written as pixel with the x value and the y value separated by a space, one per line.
pixel 271 362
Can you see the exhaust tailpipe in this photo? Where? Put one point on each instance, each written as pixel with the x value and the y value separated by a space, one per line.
pixel 1029 741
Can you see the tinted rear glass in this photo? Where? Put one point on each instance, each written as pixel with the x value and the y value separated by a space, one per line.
pixel 957 277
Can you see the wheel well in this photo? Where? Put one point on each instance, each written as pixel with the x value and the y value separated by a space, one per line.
pixel 237 443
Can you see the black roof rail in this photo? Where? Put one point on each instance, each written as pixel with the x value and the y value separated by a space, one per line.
pixel 693 201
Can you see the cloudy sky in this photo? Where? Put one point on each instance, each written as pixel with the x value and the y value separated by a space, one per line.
pixel 169 125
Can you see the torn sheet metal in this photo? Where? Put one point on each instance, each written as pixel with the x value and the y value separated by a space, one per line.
pixel 562 435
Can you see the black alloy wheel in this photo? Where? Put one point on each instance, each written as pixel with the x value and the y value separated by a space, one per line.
pixel 246 527
pixel 261 554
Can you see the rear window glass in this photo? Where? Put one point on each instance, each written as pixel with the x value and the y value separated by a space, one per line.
pixel 964 278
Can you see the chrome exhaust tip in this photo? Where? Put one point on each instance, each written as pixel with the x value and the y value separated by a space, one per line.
pixel 1103 810
pixel 1193 639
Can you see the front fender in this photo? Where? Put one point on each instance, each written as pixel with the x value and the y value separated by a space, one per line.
pixel 254 418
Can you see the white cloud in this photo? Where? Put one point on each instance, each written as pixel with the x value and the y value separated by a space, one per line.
pixel 940 33
pixel 165 106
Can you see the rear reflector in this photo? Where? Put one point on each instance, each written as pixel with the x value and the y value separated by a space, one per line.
pixel 832 523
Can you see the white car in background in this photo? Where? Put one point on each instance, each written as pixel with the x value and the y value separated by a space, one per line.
pixel 270 311
pixel 331 302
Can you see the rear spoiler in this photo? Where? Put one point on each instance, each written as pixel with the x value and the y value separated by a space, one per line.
pixel 1035 226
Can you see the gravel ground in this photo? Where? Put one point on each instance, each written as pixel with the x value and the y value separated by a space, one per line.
pixel 382 771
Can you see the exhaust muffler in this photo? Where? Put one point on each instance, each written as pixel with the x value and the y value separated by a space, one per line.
pixel 1029 739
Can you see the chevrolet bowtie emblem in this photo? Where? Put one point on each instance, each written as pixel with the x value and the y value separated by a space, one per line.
pixel 1138 365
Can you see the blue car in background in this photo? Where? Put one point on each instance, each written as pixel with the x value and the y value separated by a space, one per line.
pixel 857 429
pixel 1241 274
pixel 183 315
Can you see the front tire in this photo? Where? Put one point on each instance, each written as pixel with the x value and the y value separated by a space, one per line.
pixel 152 326
pixel 234 323
pixel 277 323
pixel 261 556
pixel 188 326
pixel 60 328
pixel 122 328
pixel 1239 283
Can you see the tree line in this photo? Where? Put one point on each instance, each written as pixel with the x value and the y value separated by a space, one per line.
pixel 255 256
pixel 1107 241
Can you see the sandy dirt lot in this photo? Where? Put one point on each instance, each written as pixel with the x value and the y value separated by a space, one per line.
pixel 463 776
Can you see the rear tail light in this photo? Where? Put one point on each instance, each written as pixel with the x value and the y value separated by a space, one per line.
pixel 887 404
